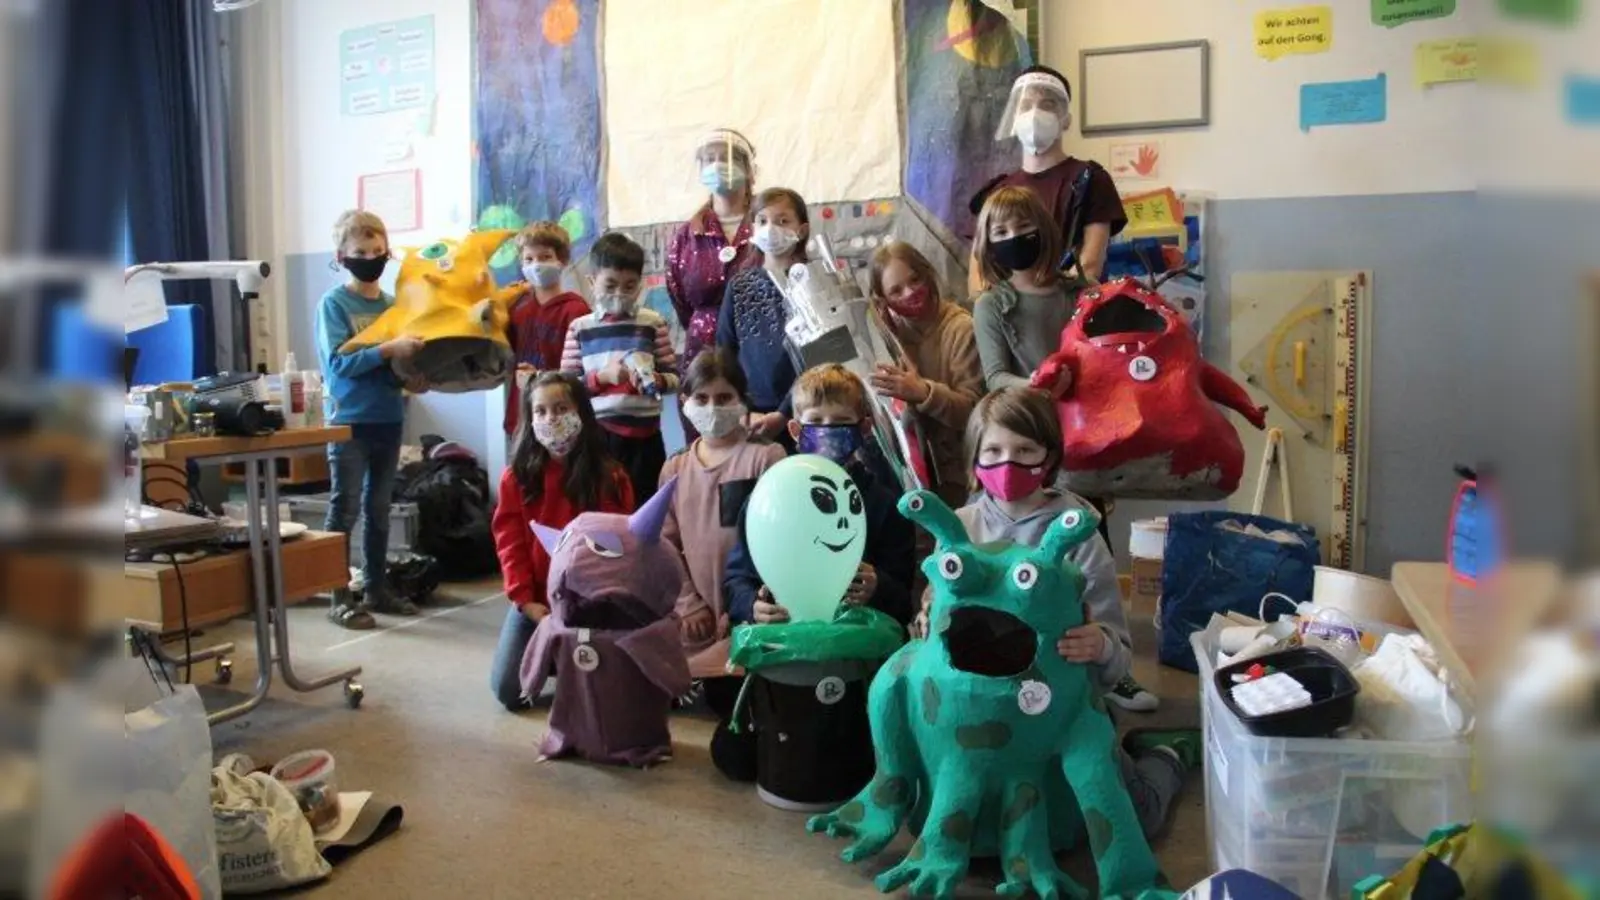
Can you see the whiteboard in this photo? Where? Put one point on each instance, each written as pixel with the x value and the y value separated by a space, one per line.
pixel 1145 88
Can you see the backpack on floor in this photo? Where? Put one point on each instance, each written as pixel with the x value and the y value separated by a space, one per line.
pixel 454 506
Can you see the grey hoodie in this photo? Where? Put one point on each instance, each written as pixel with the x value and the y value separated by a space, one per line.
pixel 986 521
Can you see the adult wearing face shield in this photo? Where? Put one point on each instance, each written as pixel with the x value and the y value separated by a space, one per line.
pixel 1079 193
pixel 714 243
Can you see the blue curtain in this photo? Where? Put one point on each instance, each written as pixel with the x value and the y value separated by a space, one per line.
pixel 166 188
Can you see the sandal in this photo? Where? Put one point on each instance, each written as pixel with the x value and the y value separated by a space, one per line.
pixel 351 616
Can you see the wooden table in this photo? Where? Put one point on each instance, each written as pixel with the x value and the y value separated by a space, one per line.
pixel 1472 627
pixel 260 456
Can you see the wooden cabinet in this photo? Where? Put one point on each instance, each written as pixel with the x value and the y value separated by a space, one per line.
pixel 221 587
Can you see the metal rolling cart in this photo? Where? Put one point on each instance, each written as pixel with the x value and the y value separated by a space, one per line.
pixel 260 456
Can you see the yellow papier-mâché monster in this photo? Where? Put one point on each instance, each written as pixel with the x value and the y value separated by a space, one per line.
pixel 445 295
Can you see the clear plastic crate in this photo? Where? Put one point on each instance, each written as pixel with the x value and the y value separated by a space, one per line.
pixel 1318 815
pixel 312 510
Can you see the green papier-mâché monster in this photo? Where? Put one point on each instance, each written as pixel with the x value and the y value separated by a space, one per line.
pixel 988 742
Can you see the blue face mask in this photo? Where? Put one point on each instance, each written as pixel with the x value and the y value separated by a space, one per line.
pixel 839 443
pixel 722 178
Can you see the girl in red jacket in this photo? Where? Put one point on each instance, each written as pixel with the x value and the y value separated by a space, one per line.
pixel 559 469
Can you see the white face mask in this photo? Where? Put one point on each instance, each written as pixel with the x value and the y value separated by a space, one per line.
pixel 542 274
pixel 558 434
pixel 775 240
pixel 1037 130
pixel 616 304
pixel 715 421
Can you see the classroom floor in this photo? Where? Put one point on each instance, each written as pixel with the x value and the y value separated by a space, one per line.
pixel 483 817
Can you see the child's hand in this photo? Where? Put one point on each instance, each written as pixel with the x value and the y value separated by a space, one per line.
pixel 863 586
pixel 766 425
pixel 400 347
pixel 700 625
pixel 615 373
pixel 417 385
pixel 1084 644
pixel 535 612
pixel 767 611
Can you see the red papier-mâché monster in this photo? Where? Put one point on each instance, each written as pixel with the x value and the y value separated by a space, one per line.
pixel 1139 417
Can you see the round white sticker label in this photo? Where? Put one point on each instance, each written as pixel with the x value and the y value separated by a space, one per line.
pixel 585 658
pixel 1034 698
pixel 830 690
pixel 1142 368
pixel 726 255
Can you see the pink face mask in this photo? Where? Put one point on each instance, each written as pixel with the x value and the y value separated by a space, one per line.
pixel 1011 481
pixel 913 303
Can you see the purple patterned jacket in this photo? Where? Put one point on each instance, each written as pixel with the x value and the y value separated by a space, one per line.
pixel 698 270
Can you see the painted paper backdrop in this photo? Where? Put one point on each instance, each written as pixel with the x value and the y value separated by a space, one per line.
pixel 812 83
pixel 960 59
pixel 538 145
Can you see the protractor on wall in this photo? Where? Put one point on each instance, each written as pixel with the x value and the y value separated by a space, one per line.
pixel 1291 364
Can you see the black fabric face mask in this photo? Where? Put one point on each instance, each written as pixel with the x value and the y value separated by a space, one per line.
pixel 1017 253
pixel 367 270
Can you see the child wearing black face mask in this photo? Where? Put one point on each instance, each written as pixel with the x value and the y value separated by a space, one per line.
pixel 831 419
pixel 365 394
pixel 1018 320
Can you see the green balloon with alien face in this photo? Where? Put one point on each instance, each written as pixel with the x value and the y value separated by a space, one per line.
pixel 806 529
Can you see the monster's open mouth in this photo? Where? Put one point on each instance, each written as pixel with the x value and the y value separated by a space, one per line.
pixel 989 642
pixel 1124 323
pixel 459 364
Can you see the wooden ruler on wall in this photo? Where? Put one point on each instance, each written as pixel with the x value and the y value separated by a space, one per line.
pixel 1351 354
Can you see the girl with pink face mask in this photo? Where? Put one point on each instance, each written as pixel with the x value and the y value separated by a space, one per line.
pixel 1014 444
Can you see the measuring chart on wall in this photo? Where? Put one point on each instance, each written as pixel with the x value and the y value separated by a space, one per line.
pixel 1301 340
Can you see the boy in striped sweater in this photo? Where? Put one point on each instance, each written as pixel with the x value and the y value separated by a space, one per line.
pixel 624 354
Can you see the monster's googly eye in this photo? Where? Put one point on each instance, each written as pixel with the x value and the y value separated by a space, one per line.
pixel 950 566
pixel 1071 519
pixel 435 251
pixel 601 551
pixel 915 504
pixel 447 263
pixel 1025 576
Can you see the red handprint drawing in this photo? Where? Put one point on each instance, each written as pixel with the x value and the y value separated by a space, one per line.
pixel 1146 163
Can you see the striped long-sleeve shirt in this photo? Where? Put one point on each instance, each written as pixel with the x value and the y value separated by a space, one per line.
pixel 643 344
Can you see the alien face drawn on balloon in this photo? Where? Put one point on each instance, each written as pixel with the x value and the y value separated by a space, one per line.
pixel 835 517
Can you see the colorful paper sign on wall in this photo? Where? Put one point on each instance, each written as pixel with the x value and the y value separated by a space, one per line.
pixel 1344 102
pixel 1136 161
pixel 1442 62
pixel 1555 12
pixel 386 67
pixel 1583 99
pixel 1153 210
pixel 1299 29
pixel 1394 13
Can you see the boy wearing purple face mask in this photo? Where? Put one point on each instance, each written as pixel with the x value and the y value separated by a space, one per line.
pixel 832 419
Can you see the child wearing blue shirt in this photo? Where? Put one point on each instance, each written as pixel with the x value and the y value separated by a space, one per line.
pixel 364 393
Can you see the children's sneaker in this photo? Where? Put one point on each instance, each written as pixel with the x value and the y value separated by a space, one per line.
pixel 1182 743
pixel 697 689
pixel 392 605
pixel 1131 696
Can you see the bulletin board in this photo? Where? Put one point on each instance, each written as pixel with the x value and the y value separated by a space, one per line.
pixel 1145 87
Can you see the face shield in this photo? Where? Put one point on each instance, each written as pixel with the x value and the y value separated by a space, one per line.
pixel 1035 92
pixel 726 153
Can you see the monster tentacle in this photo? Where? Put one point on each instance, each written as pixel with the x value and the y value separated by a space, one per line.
pixel 927 510
pixel 1070 529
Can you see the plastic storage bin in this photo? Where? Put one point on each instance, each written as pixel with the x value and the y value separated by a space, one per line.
pixel 312 510
pixel 1318 815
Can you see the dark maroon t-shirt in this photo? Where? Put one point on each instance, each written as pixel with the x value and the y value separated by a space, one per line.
pixel 1101 202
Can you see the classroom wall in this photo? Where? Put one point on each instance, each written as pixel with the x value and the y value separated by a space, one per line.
pixel 315 155
pixel 1470 312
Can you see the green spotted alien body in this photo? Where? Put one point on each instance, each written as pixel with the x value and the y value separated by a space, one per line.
pixel 988 742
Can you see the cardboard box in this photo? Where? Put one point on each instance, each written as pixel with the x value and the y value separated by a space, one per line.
pixel 1146 586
